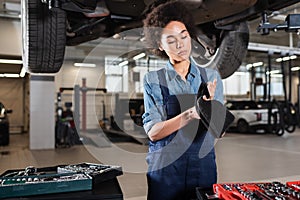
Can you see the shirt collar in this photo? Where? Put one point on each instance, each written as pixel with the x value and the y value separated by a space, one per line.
pixel 173 74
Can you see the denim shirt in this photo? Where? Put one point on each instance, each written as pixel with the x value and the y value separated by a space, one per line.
pixel 153 99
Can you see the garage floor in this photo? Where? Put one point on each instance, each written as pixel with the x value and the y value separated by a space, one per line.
pixel 240 158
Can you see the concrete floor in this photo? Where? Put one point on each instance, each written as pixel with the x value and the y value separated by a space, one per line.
pixel 240 158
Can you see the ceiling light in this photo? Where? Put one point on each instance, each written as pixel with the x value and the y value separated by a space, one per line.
pixel 277 75
pixel 273 72
pixel 84 65
pixel 8 61
pixel 11 75
pixel 295 69
pixel 286 58
pixel 141 55
pixel 125 62
pixel 249 66
pixel 257 64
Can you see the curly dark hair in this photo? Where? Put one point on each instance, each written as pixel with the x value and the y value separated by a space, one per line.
pixel 162 15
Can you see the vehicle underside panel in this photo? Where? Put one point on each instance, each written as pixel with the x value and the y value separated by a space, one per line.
pixel 212 10
pixel 279 4
pixel 129 8
pixel 86 4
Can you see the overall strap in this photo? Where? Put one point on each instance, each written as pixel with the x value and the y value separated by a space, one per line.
pixel 163 84
pixel 203 75
pixel 203 86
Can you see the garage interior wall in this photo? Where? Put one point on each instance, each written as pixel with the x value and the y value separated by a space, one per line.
pixel 10 37
pixel 12 95
pixel 13 92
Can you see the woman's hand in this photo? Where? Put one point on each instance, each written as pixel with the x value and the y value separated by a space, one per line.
pixel 165 128
pixel 192 113
pixel 211 86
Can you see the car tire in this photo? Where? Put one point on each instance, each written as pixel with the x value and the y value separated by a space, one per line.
pixel 278 128
pixel 44 37
pixel 290 128
pixel 290 117
pixel 274 126
pixel 280 132
pixel 4 135
pixel 231 52
pixel 242 126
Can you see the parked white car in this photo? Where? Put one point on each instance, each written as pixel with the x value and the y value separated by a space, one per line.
pixel 252 116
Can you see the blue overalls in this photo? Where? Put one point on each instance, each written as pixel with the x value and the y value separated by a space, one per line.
pixel 175 168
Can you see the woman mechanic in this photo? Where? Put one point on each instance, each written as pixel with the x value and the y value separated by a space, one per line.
pixel 181 153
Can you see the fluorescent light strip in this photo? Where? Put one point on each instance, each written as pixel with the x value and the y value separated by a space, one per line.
pixel 286 58
pixel 125 62
pixel 141 55
pixel 295 69
pixel 7 75
pixel 7 61
pixel 277 75
pixel 293 57
pixel 257 64
pixel 84 65
pixel 249 66
pixel 273 72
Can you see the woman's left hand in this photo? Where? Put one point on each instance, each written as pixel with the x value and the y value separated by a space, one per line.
pixel 192 113
pixel 211 86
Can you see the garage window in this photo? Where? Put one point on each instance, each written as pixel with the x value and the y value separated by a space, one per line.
pixel 119 77
pixel 116 76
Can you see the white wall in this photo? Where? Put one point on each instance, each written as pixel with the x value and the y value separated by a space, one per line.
pixel 10 37
pixel 12 96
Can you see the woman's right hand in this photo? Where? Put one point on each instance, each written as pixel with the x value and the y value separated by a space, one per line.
pixel 192 113
pixel 211 86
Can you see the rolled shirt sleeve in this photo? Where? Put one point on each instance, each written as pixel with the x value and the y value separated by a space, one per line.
pixel 153 102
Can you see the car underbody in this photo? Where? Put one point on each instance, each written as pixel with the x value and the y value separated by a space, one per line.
pixel 223 33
